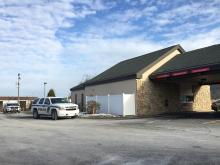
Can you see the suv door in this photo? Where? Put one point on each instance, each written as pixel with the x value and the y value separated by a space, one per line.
pixel 40 106
pixel 46 107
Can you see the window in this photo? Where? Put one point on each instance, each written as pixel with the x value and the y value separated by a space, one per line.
pixel 75 98
pixel 59 100
pixel 35 101
pixel 82 99
pixel 41 101
pixel 47 101
pixel 187 99
pixel 166 103
pixel 12 104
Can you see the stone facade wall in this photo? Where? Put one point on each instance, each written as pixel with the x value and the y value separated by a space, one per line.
pixel 156 98
pixel 202 98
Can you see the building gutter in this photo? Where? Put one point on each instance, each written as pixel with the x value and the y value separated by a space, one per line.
pixel 124 78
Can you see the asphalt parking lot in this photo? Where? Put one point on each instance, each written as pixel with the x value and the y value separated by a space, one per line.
pixel 161 140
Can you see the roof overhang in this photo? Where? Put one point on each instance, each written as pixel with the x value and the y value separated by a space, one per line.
pixel 15 97
pixel 77 89
pixel 121 78
pixel 209 74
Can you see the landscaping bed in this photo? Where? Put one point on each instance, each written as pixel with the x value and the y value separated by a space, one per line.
pixel 104 116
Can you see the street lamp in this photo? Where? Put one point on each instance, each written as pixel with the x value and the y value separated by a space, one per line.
pixel 45 83
pixel 19 78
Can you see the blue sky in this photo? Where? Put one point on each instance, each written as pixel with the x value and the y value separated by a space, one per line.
pixel 62 41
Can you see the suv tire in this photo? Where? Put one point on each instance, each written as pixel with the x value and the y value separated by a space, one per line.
pixel 35 114
pixel 54 115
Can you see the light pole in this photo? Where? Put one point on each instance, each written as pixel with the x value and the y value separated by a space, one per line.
pixel 19 78
pixel 45 83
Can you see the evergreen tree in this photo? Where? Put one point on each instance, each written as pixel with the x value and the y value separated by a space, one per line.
pixel 51 93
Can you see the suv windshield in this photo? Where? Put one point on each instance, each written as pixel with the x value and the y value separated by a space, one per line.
pixel 59 100
pixel 12 104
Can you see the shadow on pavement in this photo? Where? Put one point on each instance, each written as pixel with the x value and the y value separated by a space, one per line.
pixel 18 116
pixel 27 116
pixel 174 115
pixel 190 115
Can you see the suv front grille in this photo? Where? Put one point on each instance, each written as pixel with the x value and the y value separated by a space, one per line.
pixel 14 108
pixel 70 108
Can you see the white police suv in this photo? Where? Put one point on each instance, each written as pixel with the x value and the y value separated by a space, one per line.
pixel 11 107
pixel 56 107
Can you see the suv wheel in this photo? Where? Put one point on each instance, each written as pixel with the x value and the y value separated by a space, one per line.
pixel 54 115
pixel 35 114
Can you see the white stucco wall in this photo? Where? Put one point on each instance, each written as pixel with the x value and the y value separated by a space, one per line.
pixel 114 88
pixel 79 94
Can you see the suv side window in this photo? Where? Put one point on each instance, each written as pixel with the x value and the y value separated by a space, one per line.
pixel 41 101
pixel 35 101
pixel 47 101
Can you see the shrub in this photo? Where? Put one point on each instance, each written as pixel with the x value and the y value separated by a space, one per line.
pixel 93 107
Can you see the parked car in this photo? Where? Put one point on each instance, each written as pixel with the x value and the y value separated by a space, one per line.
pixel 55 107
pixel 216 105
pixel 11 107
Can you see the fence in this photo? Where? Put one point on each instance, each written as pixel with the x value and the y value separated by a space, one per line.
pixel 123 104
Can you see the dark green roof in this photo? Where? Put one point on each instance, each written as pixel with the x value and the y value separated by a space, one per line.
pixel 129 68
pixel 193 59
pixel 78 87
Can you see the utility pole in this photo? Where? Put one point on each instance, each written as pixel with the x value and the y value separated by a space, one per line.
pixel 19 78
pixel 45 83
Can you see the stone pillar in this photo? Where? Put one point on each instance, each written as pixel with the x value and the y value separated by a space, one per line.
pixel 202 98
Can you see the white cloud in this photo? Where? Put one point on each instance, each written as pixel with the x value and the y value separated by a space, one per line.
pixel 95 55
pixel 201 40
pixel 29 45
pixel 197 14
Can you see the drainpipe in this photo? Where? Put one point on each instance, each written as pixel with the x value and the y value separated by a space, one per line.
pixel 108 104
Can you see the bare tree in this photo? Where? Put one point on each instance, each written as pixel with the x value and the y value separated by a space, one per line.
pixel 85 78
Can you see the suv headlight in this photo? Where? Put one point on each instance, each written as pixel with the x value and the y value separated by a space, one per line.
pixel 59 108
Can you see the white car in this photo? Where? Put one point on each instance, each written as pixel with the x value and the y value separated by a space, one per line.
pixel 56 107
pixel 12 107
